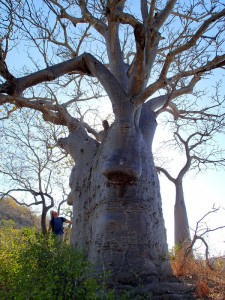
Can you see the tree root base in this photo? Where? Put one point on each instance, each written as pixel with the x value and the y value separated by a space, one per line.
pixel 159 291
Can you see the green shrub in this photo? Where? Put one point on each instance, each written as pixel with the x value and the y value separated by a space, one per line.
pixel 7 224
pixel 34 266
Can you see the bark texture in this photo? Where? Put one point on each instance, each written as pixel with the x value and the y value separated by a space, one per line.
pixel 118 219
pixel 181 226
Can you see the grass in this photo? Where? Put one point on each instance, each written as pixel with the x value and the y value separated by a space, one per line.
pixel 209 280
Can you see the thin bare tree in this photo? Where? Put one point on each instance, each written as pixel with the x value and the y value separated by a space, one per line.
pixel 196 134
pixel 33 170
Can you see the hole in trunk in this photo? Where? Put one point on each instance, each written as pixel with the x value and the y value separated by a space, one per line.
pixel 120 177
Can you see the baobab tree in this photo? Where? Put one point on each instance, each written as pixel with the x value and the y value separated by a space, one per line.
pixel 200 150
pixel 167 49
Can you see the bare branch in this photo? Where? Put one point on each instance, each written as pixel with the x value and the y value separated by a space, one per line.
pixel 160 169
pixel 190 43
pixel 163 15
pixel 88 17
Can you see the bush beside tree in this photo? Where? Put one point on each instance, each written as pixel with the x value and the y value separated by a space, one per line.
pixel 36 266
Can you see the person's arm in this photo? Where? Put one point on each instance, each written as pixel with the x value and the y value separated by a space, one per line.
pixel 68 221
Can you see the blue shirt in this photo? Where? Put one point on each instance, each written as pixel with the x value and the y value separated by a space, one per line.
pixel 57 225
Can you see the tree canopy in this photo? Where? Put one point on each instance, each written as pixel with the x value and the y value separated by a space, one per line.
pixel 165 47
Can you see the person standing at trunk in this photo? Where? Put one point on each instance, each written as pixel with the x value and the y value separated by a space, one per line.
pixel 56 225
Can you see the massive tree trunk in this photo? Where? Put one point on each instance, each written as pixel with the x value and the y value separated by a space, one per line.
pixel 120 225
pixel 118 219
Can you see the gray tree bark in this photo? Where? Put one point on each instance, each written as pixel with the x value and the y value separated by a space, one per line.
pixel 118 219
pixel 181 226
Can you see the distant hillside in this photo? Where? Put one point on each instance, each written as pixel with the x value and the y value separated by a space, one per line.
pixel 22 216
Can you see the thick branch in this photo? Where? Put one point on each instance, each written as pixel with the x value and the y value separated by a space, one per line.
pixel 160 169
pixel 151 13
pixel 161 102
pixel 85 63
pixel 89 18
pixel 114 90
pixel 217 62
pixel 91 130
pixel 187 165
pixel 161 18
pixel 124 18
pixel 4 72
pixel 144 10
pixel 48 74
pixel 115 55
pixel 30 191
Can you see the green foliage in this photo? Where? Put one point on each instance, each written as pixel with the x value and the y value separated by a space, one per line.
pixel 34 266
pixel 175 251
pixel 7 224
